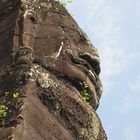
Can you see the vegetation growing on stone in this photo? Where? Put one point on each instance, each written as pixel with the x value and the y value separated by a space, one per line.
pixel 3 110
pixel 9 106
pixel 66 2
pixel 15 95
pixel 85 94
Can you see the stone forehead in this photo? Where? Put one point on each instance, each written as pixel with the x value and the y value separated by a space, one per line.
pixel 43 6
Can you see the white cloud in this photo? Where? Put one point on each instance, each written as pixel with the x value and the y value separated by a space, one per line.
pixel 94 6
pixel 130 133
pixel 128 105
pixel 108 33
pixel 112 43
pixel 129 102
pixel 101 20
pixel 135 86
pixel 108 26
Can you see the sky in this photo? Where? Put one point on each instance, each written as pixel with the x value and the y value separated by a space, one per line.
pixel 113 27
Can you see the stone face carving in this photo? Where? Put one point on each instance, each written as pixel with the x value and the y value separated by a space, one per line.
pixel 49 75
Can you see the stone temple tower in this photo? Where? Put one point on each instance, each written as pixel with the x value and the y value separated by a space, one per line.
pixel 49 74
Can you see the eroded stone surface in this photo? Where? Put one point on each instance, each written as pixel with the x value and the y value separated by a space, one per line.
pixel 49 75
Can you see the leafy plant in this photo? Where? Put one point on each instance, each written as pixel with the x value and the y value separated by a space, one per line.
pixel 71 15
pixel 3 110
pixel 5 103
pixel 15 95
pixel 85 94
pixel 66 2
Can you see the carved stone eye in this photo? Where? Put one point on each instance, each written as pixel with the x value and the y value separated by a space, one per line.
pixel 24 52
pixel 31 15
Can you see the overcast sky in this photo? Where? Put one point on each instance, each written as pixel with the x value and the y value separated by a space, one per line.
pixel 113 26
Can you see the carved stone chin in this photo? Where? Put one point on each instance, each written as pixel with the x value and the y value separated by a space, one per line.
pixel 49 75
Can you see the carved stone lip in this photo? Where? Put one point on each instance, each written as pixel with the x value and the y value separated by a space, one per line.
pixel 79 85
pixel 91 81
pixel 84 70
